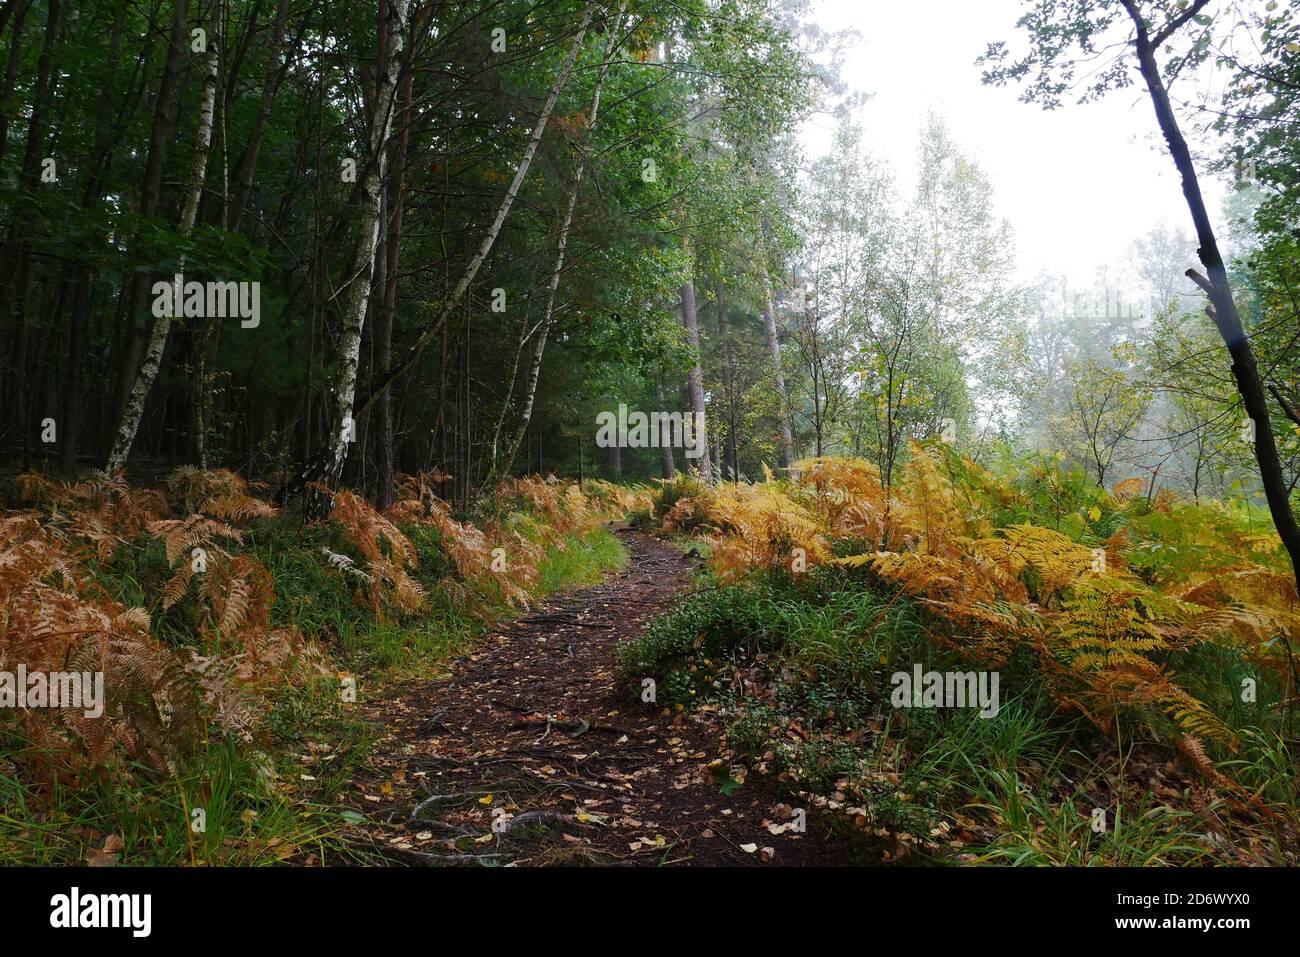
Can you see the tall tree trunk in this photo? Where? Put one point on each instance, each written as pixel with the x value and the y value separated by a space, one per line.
pixel 200 404
pixel 70 436
pixel 695 381
pixel 150 197
pixel 322 464
pixel 507 402
pixel 383 329
pixel 666 467
pixel 381 343
pixel 343 391
pixel 11 68
pixel 778 375
pixel 1222 309
pixel 728 390
pixel 153 354
pixel 815 367
pixel 72 382
pixel 246 169
pixel 15 263
pixel 539 344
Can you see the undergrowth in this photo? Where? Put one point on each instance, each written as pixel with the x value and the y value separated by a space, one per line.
pixel 1142 649
pixel 238 645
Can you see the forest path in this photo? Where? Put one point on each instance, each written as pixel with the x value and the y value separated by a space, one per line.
pixel 533 731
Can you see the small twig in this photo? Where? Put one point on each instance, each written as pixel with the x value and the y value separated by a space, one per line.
pixel 443 799
pixel 534 817
pixel 570 726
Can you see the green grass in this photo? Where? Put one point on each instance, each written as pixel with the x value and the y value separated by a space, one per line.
pixel 1039 829
pixel 233 803
pixel 823 646
pixel 585 559
pixel 276 798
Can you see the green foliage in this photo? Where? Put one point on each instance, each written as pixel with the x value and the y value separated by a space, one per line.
pixel 275 748
pixel 250 816
pixel 682 649
pixel 581 559
pixel 1039 830
pixel 1154 647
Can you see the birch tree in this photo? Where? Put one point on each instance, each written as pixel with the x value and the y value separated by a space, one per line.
pixel 157 343
pixel 343 390
pixel 548 315
pixel 778 374
pixel 430 331
pixel 327 463
pixel 695 380
pixel 1146 29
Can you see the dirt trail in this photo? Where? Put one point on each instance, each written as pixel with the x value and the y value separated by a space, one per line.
pixel 533 731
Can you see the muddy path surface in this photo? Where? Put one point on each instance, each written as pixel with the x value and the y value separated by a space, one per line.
pixel 533 752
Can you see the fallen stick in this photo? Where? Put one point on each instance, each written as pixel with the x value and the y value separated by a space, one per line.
pixel 442 799
pixel 534 817
pixel 582 727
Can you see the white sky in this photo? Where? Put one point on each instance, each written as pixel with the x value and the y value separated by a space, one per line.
pixel 1077 184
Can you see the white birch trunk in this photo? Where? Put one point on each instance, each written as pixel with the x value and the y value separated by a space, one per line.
pixel 700 432
pixel 153 353
pixel 344 389
pixel 539 345
pixel 432 329
pixel 778 376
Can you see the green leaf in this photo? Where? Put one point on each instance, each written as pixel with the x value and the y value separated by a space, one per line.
pixel 728 784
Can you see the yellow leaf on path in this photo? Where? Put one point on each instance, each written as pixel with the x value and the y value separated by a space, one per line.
pixel 485 799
